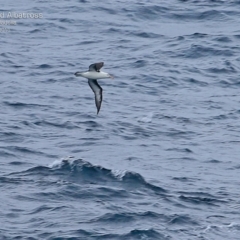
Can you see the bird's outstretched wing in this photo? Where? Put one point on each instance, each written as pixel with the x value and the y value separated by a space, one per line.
pixel 96 66
pixel 97 92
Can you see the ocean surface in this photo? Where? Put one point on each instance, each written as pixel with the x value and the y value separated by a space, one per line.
pixel 162 158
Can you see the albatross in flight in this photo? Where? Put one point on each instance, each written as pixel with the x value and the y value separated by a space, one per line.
pixel 92 75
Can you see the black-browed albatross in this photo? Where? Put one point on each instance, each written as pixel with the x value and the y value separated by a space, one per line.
pixel 92 75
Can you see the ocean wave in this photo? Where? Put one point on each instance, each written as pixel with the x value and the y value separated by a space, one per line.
pixel 82 172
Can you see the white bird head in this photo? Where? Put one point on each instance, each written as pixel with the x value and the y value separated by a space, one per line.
pixel 79 74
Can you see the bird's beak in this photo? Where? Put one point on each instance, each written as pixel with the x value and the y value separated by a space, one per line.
pixel 111 76
pixel 77 74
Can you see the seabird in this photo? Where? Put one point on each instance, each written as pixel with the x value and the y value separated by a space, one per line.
pixel 92 75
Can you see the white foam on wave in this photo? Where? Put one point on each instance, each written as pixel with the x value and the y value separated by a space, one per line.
pixel 229 227
pixel 119 174
pixel 147 119
pixel 58 162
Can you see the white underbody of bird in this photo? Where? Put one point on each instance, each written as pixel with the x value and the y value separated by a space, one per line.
pixel 92 75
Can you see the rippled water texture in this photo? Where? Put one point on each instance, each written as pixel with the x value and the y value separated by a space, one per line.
pixel 160 160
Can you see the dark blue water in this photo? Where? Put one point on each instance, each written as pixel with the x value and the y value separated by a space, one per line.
pixel 160 161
